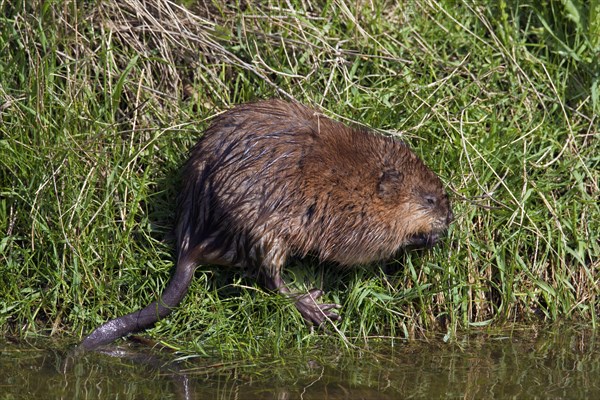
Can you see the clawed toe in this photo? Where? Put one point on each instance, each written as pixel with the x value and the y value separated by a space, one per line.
pixel 315 313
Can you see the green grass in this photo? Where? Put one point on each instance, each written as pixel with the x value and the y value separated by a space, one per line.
pixel 99 105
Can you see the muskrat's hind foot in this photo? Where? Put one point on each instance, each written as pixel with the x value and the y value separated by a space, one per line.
pixel 313 312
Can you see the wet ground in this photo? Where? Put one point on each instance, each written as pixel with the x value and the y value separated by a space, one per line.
pixel 528 363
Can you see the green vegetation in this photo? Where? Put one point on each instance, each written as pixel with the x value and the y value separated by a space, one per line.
pixel 100 101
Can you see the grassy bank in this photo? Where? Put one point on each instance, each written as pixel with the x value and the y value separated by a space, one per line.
pixel 99 104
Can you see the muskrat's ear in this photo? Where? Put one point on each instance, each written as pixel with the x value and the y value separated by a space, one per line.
pixel 390 183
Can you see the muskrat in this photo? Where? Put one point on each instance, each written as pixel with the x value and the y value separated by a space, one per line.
pixel 273 179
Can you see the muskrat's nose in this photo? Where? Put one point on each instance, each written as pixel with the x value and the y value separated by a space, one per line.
pixel 450 217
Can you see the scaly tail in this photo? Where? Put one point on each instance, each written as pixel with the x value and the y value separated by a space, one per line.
pixel 146 317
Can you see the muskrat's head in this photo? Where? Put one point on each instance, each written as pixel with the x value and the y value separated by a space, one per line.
pixel 430 208
pixel 422 207
pixel 433 213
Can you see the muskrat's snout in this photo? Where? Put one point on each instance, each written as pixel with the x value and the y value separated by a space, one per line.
pixel 441 217
pixel 450 216
pixel 437 234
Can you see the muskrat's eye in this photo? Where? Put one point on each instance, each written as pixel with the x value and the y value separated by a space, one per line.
pixel 431 200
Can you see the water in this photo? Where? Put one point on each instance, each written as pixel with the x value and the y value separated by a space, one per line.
pixel 524 364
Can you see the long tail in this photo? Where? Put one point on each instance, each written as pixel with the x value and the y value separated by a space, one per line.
pixel 146 317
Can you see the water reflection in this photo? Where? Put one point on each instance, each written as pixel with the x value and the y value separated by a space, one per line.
pixel 527 363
